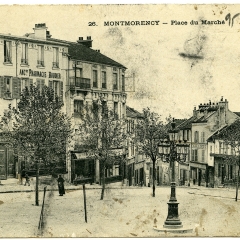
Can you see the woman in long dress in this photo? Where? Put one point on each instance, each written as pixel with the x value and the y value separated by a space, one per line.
pixel 61 186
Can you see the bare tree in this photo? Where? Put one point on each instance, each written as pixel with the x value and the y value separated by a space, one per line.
pixel 149 133
pixel 103 135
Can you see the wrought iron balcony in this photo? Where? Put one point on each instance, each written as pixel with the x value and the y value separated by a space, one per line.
pixel 40 63
pixel 80 83
pixel 24 61
pixel 55 64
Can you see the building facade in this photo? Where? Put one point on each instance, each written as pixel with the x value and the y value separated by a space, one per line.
pixel 31 59
pixel 92 78
pixel 207 119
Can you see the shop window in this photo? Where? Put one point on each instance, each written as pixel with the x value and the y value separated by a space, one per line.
pixel 7 51
pixel 55 58
pixel 24 59
pixel 95 79
pixel 123 83
pixel 40 60
pixel 115 83
pixel 10 87
pixel 26 83
pixel 104 80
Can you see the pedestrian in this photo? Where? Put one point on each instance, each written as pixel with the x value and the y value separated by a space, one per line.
pixel 61 189
pixel 27 180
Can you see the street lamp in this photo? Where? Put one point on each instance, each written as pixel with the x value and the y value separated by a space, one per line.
pixel 170 151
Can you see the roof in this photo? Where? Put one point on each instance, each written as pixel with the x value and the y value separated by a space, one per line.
pixel 80 52
pixel 217 132
pixel 187 124
pixel 132 113
pixel 237 113
pixel 37 40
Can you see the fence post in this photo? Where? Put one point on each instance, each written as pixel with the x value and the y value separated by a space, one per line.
pixel 85 204
pixel 40 225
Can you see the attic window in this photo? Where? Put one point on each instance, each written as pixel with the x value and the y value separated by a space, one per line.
pixel 114 69
pixel 95 65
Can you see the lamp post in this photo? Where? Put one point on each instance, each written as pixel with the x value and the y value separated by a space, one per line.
pixel 172 151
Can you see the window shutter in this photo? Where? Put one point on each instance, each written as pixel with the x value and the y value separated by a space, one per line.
pixel 61 90
pixel 50 84
pixel 16 87
pixel 2 87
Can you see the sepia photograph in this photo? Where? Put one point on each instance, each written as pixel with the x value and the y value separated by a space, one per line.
pixel 119 120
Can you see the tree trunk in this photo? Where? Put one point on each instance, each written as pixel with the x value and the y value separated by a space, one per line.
pixel 103 182
pixel 237 183
pixel 36 191
pixel 154 173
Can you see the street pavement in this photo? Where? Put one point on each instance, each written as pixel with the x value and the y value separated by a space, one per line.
pixel 124 212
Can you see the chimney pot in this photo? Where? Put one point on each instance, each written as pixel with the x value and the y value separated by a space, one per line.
pixel 88 37
pixel 80 38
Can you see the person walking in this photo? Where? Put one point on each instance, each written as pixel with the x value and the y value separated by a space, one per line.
pixel 61 189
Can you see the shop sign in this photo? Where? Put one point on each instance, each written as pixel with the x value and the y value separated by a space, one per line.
pixel 32 73
pixel 199 145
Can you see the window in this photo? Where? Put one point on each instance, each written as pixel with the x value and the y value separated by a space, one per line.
pixel 104 80
pixel 95 80
pixel 115 85
pixel 40 60
pixel 202 137
pixel 24 59
pixel 79 73
pixel 203 155
pixel 123 110
pixel 222 148
pixel 7 52
pixel 57 86
pixel 230 171
pixel 132 148
pixel 104 108
pixel 26 82
pixel 78 106
pixel 123 83
pixel 196 137
pixel 194 155
pixel 10 87
pixel 95 109
pixel 55 58
pixel 40 83
pixel 116 109
pixel 210 149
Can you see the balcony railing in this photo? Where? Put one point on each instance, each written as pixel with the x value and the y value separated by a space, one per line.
pixel 40 63
pixel 55 64
pixel 24 61
pixel 7 59
pixel 82 83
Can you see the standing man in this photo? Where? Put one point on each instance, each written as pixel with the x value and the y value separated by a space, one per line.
pixel 61 186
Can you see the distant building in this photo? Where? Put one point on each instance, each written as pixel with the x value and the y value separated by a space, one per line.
pixel 196 130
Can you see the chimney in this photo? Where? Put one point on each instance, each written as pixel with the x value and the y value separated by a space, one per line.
pixel 40 31
pixel 48 35
pixel 87 42
pixel 194 112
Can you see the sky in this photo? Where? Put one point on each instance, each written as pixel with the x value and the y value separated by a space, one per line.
pixel 176 67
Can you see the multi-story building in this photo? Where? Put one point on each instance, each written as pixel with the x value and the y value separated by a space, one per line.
pixel 205 121
pixel 135 165
pixel 91 77
pixel 30 59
